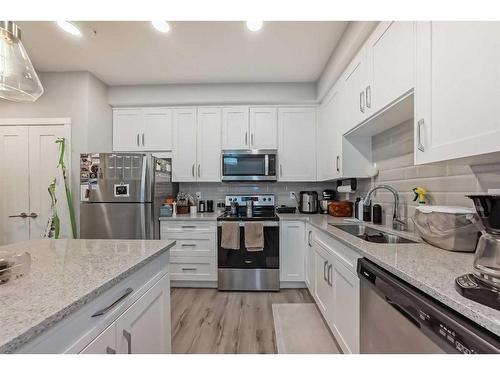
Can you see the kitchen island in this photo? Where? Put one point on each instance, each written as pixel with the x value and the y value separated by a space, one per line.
pixel 88 296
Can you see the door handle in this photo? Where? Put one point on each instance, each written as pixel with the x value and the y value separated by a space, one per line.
pixel 253 139
pixel 324 270
pixel 24 215
pixel 192 170
pixel 137 139
pixel 107 308
pixel 199 171
pixel 246 138
pixel 281 170
pixel 128 337
pixel 338 163
pixel 309 238
pixel 143 139
pixel 33 215
pixel 368 91
pixel 362 101
pixel 329 281
pixel 420 145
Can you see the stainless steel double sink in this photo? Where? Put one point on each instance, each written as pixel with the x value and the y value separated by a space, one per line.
pixel 370 234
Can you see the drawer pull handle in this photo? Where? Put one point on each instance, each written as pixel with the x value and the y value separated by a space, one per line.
pixel 110 350
pixel 188 245
pixel 188 226
pixel 128 337
pixel 106 309
pixel 189 269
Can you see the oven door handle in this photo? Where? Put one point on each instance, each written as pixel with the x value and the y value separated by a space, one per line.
pixel 266 224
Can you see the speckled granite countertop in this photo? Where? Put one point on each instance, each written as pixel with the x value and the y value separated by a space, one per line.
pixel 426 267
pixel 64 275
pixel 198 216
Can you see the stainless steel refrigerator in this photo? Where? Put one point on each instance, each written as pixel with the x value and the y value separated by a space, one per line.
pixel 121 195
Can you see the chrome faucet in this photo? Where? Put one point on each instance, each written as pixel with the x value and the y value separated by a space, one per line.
pixel 397 223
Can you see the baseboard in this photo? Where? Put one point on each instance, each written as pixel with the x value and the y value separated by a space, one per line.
pixel 193 284
pixel 292 285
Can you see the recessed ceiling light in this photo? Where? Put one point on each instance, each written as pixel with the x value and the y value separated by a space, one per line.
pixel 69 27
pixel 254 25
pixel 161 26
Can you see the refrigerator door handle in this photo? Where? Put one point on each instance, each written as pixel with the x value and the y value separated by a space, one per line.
pixel 142 196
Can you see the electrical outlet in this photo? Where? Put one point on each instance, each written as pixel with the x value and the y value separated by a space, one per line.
pixel 292 195
pixel 198 195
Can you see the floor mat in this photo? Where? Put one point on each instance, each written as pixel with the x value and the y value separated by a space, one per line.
pixel 301 330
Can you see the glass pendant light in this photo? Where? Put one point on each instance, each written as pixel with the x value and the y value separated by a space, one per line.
pixel 18 79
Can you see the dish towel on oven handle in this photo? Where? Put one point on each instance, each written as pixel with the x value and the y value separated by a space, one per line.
pixel 230 237
pixel 254 236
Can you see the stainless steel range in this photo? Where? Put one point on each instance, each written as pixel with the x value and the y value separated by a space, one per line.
pixel 243 269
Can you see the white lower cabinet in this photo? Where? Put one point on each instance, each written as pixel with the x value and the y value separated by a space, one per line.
pixel 105 343
pixel 331 278
pixel 345 285
pixel 292 251
pixel 309 261
pixel 194 256
pixel 323 291
pixel 144 328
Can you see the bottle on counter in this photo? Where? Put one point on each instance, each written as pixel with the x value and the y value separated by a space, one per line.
pixel 356 208
pixel 377 214
pixel 360 208
pixel 367 212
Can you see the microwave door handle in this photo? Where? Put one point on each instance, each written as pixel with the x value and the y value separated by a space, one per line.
pixel 266 165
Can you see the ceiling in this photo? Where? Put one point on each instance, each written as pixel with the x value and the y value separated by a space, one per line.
pixel 126 53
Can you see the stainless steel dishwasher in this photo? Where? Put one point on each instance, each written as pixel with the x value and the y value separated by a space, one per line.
pixel 397 318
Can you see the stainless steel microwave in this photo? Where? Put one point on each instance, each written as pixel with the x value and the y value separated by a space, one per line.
pixel 249 165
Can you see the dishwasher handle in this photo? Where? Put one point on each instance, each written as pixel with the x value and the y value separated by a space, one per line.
pixel 403 311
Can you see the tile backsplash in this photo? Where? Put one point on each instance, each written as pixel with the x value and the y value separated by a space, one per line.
pixel 217 191
pixel 446 184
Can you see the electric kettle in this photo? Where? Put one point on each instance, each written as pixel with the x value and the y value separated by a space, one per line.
pixel 308 202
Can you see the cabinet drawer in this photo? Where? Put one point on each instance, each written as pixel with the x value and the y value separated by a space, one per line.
pixel 193 269
pixel 191 243
pixel 188 226
pixel 344 254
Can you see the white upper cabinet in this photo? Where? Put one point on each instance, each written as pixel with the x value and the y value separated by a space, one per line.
pixel 457 90
pixel 264 128
pixel 157 131
pixel 197 144
pixel 208 142
pixel 184 156
pixel 390 55
pixel 127 129
pixel 355 81
pixel 330 136
pixel 297 143
pixel 142 129
pixel 235 128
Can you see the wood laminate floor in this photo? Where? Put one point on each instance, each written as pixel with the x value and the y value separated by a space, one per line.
pixel 208 321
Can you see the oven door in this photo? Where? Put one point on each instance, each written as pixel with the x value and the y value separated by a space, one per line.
pixel 243 259
pixel 248 166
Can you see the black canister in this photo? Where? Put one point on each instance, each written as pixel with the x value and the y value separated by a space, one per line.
pixel 377 214
pixel 356 207
pixel 367 212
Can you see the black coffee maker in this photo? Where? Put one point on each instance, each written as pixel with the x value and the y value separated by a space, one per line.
pixel 483 284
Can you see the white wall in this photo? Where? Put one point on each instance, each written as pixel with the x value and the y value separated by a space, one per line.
pixel 207 94
pixel 353 38
pixel 81 97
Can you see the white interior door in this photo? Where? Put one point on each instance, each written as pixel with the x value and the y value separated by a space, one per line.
pixel 43 159
pixel 14 184
pixel 209 144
